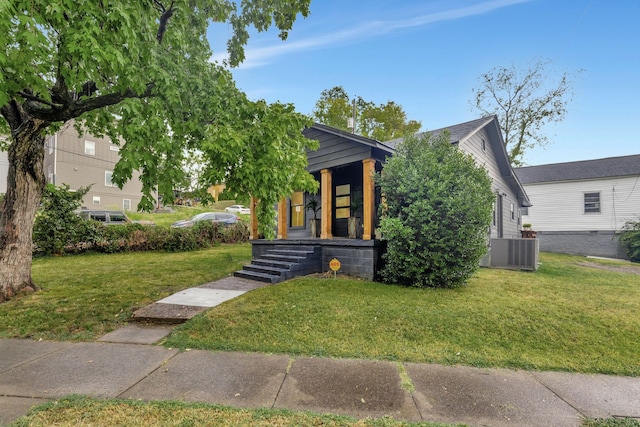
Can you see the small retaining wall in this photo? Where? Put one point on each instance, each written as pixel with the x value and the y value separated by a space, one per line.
pixel 593 243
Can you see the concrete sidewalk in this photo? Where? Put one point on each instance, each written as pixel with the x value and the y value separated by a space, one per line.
pixel 124 364
pixel 33 372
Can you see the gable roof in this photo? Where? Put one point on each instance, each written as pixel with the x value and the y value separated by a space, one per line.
pixel 349 136
pixel 457 132
pixel 586 169
pixel 463 131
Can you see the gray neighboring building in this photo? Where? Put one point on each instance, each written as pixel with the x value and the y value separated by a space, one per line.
pixel 81 160
pixel 580 207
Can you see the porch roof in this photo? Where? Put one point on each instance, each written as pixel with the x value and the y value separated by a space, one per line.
pixel 340 148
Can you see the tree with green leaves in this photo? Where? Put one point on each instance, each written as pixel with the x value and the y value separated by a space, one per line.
pixel 57 223
pixel 139 72
pixel 381 122
pixel 525 100
pixel 436 215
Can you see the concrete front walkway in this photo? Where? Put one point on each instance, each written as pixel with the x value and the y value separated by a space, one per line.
pixel 125 364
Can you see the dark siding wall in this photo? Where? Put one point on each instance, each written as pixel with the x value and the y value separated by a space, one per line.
pixel 334 151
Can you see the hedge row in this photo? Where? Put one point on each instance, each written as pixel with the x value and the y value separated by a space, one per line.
pixel 92 236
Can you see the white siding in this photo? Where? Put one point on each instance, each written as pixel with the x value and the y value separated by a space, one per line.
pixel 487 159
pixel 559 206
pixel 4 170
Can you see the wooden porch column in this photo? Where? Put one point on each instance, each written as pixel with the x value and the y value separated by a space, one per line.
pixel 253 222
pixel 327 208
pixel 368 197
pixel 282 219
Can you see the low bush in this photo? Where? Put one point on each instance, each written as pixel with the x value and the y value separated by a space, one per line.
pixel 630 240
pixel 92 236
pixel 58 229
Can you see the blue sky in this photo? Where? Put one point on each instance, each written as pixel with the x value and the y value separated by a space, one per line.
pixel 427 56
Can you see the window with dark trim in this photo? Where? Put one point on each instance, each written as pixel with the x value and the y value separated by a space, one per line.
pixel 591 202
pixel 297 209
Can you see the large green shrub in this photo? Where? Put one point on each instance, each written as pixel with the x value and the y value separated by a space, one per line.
pixel 437 213
pixel 57 226
pixel 630 240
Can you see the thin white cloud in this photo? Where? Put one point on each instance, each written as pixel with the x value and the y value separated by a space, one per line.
pixel 256 57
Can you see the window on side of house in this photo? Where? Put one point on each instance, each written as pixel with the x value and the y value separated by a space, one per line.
pixel 513 213
pixel 484 145
pixel 108 175
pixel 297 209
pixel 343 201
pixel 126 204
pixel 90 148
pixel 96 200
pixel 591 203
pixel 50 142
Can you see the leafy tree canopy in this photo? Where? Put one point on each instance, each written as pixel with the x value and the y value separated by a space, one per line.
pixel 525 100
pixel 437 213
pixel 381 122
pixel 139 72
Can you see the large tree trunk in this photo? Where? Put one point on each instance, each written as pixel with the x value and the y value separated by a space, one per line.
pixel 25 183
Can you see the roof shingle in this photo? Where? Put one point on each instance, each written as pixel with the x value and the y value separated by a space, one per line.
pixel 585 169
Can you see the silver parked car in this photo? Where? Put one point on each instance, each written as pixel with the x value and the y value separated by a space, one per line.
pixel 238 209
pixel 220 217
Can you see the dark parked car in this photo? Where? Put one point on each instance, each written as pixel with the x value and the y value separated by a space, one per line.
pixel 109 217
pixel 220 217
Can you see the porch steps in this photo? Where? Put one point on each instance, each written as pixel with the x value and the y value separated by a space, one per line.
pixel 282 263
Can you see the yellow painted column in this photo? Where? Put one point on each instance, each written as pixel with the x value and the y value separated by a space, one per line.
pixel 282 219
pixel 253 229
pixel 327 208
pixel 368 197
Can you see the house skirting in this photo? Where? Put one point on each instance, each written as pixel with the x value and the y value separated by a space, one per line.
pixel 588 243
pixel 360 258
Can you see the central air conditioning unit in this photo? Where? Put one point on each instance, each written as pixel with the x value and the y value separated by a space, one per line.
pixel 518 254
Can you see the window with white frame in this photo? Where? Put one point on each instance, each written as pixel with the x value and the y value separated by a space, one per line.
pixel 96 200
pixel 50 141
pixel 591 203
pixel 513 213
pixel 126 204
pixel 90 148
pixel 108 175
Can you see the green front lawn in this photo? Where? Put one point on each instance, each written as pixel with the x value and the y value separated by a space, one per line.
pixel 85 296
pixel 563 317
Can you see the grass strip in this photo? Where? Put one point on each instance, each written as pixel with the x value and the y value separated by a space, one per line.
pixel 83 411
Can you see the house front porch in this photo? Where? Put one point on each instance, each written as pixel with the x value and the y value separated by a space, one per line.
pixel 284 259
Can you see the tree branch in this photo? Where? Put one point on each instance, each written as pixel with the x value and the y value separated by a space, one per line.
pixel 164 19
pixel 55 113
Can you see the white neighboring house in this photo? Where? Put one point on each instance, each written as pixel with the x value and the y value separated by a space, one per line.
pixel 580 207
